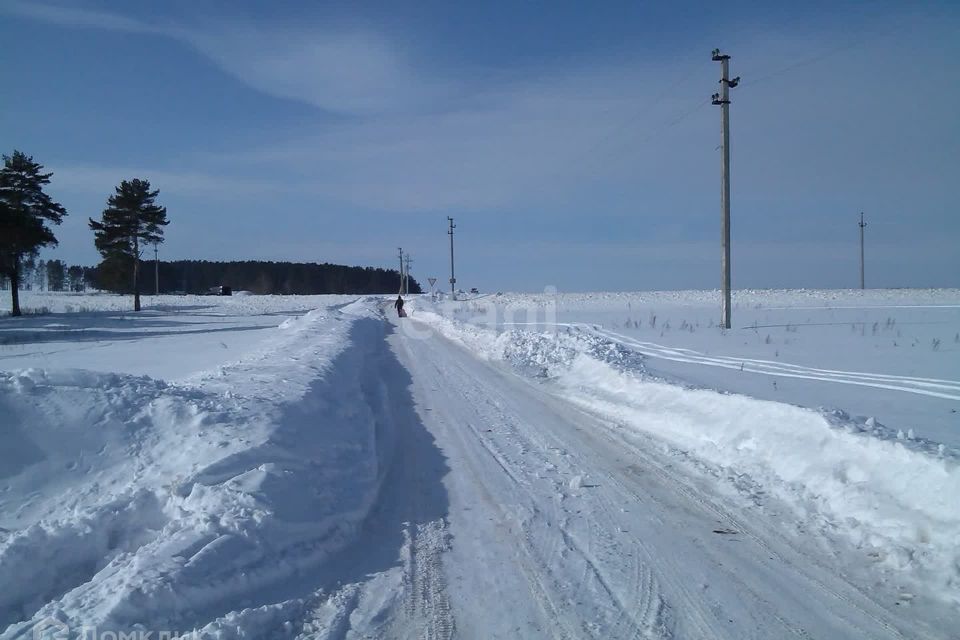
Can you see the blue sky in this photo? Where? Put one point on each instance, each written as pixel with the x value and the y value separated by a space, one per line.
pixel 574 143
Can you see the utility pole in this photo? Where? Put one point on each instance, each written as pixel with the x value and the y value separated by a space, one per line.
pixel 862 225
pixel 156 270
pixel 400 249
pixel 453 279
pixel 723 99
pixel 406 274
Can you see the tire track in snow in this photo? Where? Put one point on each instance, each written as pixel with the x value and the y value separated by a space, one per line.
pixel 550 610
pixel 655 615
pixel 425 587
pixel 648 616
pixel 591 570
pixel 644 611
pixel 934 387
pixel 947 389
pixel 704 624
pixel 548 550
pixel 669 475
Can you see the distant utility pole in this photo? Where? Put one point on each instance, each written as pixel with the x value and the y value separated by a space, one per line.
pixel 453 279
pixel 723 99
pixel 156 269
pixel 862 225
pixel 406 274
pixel 400 249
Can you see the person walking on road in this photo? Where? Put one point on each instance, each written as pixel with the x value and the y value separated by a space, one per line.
pixel 399 305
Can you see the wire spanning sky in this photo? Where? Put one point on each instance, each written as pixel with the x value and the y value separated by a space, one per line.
pixel 574 143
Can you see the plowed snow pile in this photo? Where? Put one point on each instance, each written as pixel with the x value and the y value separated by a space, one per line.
pixel 126 499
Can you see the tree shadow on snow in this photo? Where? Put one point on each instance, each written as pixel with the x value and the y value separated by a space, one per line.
pixel 109 326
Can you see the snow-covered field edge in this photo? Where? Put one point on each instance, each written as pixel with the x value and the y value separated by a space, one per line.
pixel 846 479
pixel 188 498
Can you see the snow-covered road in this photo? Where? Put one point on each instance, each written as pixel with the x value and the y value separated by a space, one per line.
pixel 559 528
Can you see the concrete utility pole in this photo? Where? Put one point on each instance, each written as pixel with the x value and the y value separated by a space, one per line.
pixel 453 279
pixel 862 225
pixel 156 270
pixel 723 99
pixel 400 249
pixel 406 274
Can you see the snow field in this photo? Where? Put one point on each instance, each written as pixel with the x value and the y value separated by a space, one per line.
pixel 240 303
pixel 894 500
pixel 126 499
pixel 235 466
pixel 172 338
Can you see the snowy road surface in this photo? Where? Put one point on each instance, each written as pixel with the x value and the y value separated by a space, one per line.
pixel 346 476
pixel 587 535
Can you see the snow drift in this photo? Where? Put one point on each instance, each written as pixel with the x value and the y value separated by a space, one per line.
pixel 129 501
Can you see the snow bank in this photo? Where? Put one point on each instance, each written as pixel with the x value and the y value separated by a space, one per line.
pixel 127 502
pixel 536 354
pixel 896 503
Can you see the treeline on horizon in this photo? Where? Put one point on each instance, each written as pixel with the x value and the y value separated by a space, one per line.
pixel 287 278
pixel 129 225
pixel 200 276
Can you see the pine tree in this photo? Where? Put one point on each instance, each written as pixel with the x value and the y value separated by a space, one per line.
pixel 56 275
pixel 25 211
pixel 75 278
pixel 28 268
pixel 40 275
pixel 131 220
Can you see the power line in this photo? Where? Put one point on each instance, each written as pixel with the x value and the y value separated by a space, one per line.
pixel 802 63
pixel 672 123
pixel 645 110
pixel 828 52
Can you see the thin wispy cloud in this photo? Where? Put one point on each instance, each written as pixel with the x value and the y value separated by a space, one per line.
pixel 355 73
pixel 820 131
pixel 352 72
pixel 551 139
pixel 412 145
pixel 79 17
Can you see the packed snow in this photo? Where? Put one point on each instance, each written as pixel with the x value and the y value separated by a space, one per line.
pixel 613 465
